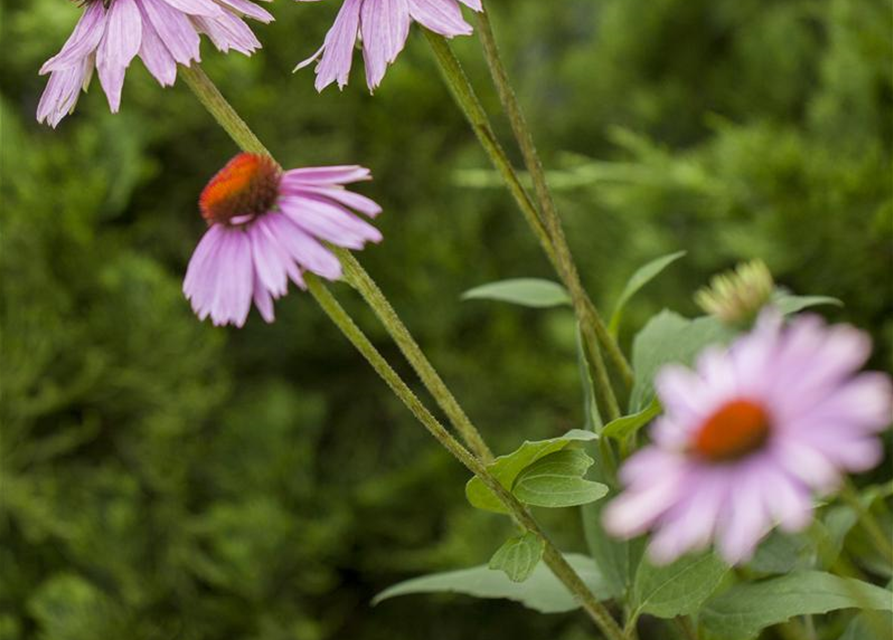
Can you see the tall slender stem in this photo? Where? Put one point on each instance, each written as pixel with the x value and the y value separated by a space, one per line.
pixel 211 98
pixel 359 279
pixel 551 555
pixel 549 211
pixel 223 112
pixel 467 100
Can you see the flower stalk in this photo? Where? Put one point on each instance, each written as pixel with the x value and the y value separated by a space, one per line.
pixel 212 100
pixel 567 268
pixel 356 276
pixel 226 116
pixel 468 102
pixel 551 555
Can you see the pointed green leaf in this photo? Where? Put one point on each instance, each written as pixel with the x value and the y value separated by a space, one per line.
pixel 527 292
pixel 788 303
pixel 668 337
pixel 506 468
pixel 783 553
pixel 518 556
pixel 624 427
pixel 556 480
pixel 742 611
pixel 639 279
pixel 678 588
pixel 541 591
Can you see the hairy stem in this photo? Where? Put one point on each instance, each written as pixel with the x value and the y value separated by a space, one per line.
pixel 467 100
pixel 211 98
pixel 242 135
pixel 552 220
pixel 551 555
pixel 360 280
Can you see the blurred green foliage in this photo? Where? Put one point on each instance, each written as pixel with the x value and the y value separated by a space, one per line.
pixel 165 479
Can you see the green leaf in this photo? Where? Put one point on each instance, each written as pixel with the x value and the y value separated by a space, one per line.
pixel 783 553
pixel 527 292
pixel 518 556
pixel 640 278
pixel 624 427
pixel 616 558
pixel 668 337
pixel 870 625
pixel 506 468
pixel 541 591
pixel 678 588
pixel 788 303
pixel 742 611
pixel 556 480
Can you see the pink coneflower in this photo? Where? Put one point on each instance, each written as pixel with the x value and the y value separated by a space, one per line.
pixel 268 226
pixel 383 26
pixel 163 33
pixel 750 436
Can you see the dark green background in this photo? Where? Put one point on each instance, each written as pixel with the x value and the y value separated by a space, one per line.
pixel 165 479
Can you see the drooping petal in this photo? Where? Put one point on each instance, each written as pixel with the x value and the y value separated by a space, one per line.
pixel 228 32
pixel 120 44
pixel 61 93
pixel 246 8
pixel 83 40
pixel 329 222
pixel 156 57
pixel 174 29
pixel 336 54
pixel 385 27
pixel 440 16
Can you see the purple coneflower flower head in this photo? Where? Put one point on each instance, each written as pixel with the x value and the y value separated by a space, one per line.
pixel 266 227
pixel 163 33
pixel 749 437
pixel 382 26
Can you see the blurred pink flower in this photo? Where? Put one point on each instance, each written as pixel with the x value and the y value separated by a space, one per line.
pixel 268 226
pixel 382 26
pixel 750 435
pixel 163 33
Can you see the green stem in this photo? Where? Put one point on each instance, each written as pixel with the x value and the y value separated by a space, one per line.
pixel 524 137
pixel 360 280
pixel 211 98
pixel 868 521
pixel 553 558
pixel 217 105
pixel 468 102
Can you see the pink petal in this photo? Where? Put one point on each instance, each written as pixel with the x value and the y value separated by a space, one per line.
pixel 385 26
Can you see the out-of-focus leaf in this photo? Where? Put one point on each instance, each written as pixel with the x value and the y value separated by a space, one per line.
pixel 678 588
pixel 742 611
pixel 645 274
pixel 788 303
pixel 870 625
pixel 782 553
pixel 527 292
pixel 668 337
pixel 556 480
pixel 622 428
pixel 541 591
pixel 506 468
pixel 518 556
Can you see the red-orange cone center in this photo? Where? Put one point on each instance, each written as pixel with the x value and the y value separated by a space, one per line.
pixel 734 430
pixel 245 188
